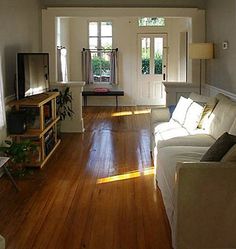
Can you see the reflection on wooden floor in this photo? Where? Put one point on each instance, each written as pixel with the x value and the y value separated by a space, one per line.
pixel 97 192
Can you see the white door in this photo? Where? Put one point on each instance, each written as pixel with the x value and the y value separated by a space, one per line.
pixel 152 69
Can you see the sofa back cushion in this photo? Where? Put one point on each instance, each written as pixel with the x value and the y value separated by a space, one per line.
pixel 220 148
pixel 198 98
pixel 230 156
pixel 208 109
pixel 179 114
pixel 193 116
pixel 233 128
pixel 222 118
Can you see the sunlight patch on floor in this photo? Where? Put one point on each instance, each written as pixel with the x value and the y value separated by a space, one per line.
pixel 118 114
pixel 126 176
pixel 142 112
pixel 129 113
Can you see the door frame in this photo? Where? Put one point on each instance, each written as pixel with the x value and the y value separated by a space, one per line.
pixel 138 64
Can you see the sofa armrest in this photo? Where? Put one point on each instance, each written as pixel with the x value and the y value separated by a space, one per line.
pixel 161 114
pixel 205 204
pixel 2 242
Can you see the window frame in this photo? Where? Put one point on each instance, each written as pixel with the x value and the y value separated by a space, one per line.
pixel 152 26
pixel 99 36
pixel 99 42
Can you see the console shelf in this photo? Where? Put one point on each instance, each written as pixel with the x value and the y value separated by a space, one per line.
pixel 42 129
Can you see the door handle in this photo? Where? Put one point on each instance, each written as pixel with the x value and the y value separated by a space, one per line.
pixel 164 76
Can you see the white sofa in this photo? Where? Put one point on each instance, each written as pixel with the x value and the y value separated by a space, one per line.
pixel 2 242
pixel 199 197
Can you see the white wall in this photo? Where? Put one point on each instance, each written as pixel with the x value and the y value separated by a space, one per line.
pixel 63 38
pixel 20 30
pixel 126 3
pixel 221 25
pixel 125 32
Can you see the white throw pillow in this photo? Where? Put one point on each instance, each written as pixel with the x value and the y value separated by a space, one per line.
pixel 193 116
pixel 179 114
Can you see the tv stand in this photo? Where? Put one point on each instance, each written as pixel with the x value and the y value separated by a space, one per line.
pixel 43 131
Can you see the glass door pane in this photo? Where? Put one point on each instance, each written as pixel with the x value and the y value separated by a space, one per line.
pixel 145 52
pixel 158 54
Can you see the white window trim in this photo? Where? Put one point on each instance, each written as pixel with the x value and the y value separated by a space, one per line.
pixel 99 39
pixel 99 36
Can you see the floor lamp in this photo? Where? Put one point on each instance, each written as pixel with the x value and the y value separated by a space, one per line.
pixel 201 51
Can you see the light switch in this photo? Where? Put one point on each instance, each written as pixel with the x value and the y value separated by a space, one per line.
pixel 225 45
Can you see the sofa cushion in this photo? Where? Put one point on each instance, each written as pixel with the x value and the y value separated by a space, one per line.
pixel 2 242
pixel 222 118
pixel 166 168
pixel 193 116
pixel 169 130
pixel 221 146
pixel 230 156
pixel 198 98
pixel 221 96
pixel 208 109
pixel 201 140
pixel 166 126
pixel 233 128
pixel 179 114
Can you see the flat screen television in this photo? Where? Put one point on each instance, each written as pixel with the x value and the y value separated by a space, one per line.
pixel 32 74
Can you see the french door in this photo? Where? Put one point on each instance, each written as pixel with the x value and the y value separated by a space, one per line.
pixel 152 69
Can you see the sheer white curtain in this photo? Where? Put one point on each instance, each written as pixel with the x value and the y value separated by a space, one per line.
pixel 87 71
pixel 62 74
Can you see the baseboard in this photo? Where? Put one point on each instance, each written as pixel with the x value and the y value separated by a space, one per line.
pixel 212 91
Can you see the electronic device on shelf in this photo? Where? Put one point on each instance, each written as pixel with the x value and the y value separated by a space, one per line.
pixel 49 140
pixel 32 75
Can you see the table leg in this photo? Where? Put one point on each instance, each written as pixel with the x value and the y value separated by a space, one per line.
pixel 85 100
pixel 11 178
pixel 116 101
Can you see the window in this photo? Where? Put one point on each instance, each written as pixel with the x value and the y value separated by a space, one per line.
pixel 151 21
pixel 100 43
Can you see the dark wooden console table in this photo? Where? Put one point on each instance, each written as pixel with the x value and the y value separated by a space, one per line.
pixel 91 91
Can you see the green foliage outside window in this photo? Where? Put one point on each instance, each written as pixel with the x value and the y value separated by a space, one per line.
pixel 157 65
pixel 151 21
pixel 99 63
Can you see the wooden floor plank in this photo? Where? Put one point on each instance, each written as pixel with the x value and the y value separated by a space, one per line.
pixel 93 193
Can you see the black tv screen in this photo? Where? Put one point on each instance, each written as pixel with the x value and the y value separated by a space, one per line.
pixel 32 74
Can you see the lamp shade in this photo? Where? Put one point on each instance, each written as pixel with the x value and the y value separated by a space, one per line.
pixel 201 51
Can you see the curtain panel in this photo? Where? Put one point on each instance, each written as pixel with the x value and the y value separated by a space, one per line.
pixel 114 67
pixel 87 72
pixel 62 74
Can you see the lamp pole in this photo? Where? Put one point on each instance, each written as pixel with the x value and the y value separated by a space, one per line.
pixel 200 87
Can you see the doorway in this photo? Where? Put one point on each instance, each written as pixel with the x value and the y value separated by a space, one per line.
pixel 152 69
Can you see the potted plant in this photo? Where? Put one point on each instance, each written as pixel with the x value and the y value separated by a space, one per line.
pixel 20 153
pixel 64 106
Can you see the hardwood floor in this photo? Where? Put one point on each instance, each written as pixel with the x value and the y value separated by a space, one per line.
pixel 97 191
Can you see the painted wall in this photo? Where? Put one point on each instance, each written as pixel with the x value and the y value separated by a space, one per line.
pixel 125 3
pixel 221 26
pixel 125 32
pixel 20 28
